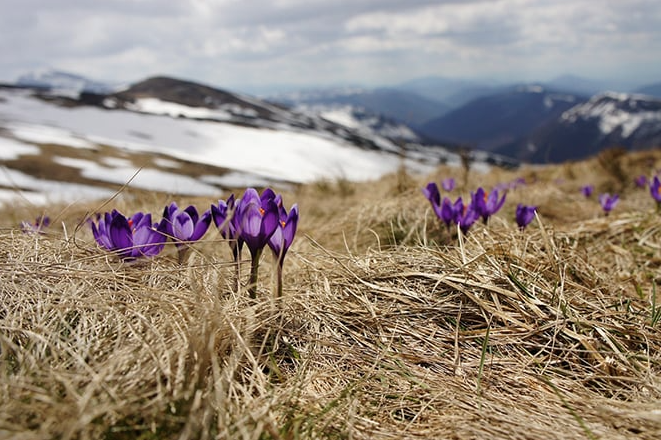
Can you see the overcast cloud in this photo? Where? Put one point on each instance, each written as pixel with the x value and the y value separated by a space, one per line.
pixel 246 43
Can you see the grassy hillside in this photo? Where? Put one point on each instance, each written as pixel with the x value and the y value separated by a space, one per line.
pixel 390 327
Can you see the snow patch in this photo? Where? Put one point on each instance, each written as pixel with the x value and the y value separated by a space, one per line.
pixel 165 163
pixel 117 162
pixel 11 149
pixel 42 134
pixel 158 107
pixel 145 178
pixel 41 192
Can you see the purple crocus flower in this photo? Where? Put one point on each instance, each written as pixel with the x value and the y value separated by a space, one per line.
pixel 486 204
pixel 524 215
pixel 131 237
pixel 641 181
pixel 185 225
pixel 228 223
pixel 451 212
pixel 467 218
pixel 448 184
pixel 256 220
pixel 608 202
pixel 282 238
pixel 434 196
pixel 42 222
pixel 655 190
pixel 587 190
pixel 284 233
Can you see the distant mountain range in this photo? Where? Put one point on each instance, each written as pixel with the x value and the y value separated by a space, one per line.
pixel 527 122
pixel 404 106
pixel 490 121
pixel 606 120
pixel 555 121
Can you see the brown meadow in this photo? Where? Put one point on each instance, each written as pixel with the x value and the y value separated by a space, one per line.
pixel 390 327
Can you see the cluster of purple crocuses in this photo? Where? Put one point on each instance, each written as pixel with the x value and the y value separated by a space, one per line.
pixel 609 201
pixel 482 205
pixel 254 220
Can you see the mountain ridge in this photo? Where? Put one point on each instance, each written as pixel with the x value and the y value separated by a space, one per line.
pixel 514 121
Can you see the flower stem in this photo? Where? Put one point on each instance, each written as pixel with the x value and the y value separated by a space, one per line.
pixel 182 253
pixel 278 293
pixel 254 269
pixel 236 253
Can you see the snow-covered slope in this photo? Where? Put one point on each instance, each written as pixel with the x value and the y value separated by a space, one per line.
pixel 100 145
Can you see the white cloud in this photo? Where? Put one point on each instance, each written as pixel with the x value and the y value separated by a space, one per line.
pixel 229 42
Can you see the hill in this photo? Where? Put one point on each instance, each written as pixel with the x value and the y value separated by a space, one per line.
pixel 176 136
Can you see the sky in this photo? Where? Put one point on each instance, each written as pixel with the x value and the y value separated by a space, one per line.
pixel 253 45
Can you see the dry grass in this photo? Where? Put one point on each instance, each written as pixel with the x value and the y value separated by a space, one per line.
pixel 389 328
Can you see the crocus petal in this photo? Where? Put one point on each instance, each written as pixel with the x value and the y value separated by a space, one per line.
pixel 151 243
pixel 168 213
pixel 447 212
pixel 268 194
pixel 251 196
pixel 182 226
pixel 142 238
pixel 448 184
pixel 192 212
pixel 432 194
pixel 120 233
pixel 468 220
pixel 270 221
pixel 222 217
pixel 100 233
pixel 277 243
pixel 493 203
pixel 201 226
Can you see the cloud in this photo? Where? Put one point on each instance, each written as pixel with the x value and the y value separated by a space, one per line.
pixel 306 41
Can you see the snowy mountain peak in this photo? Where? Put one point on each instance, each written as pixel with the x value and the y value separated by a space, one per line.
pixel 616 106
pixel 620 113
pixel 61 83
